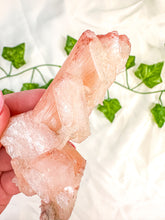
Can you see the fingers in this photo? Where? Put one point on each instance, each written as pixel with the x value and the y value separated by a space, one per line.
pixel 5 159
pixel 7 188
pixel 4 197
pixel 4 114
pixel 8 184
pixel 17 103
pixel 23 101
pixel 1 102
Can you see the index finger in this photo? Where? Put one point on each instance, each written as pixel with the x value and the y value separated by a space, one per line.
pixel 16 103
pixel 4 119
pixel 24 101
pixel 4 114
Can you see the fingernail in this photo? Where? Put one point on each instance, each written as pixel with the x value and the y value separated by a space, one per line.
pixel 1 102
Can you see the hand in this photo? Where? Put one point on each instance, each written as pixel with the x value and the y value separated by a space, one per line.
pixel 10 105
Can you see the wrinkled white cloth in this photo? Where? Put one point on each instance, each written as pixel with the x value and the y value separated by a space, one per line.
pixel 125 173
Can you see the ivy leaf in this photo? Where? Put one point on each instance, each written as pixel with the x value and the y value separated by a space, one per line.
pixel 29 86
pixel 158 112
pixel 130 62
pixel 7 91
pixel 46 85
pixel 109 108
pixel 15 55
pixel 150 74
pixel 70 42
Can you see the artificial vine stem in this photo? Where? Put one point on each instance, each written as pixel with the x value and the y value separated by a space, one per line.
pixel 41 75
pixel 160 98
pixel 31 79
pixel 138 85
pixel 35 68
pixel 4 71
pixel 108 94
pixel 11 67
pixel 127 78
pixel 142 93
pixel 31 68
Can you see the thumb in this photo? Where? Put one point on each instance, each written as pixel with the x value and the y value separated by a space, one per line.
pixel 4 114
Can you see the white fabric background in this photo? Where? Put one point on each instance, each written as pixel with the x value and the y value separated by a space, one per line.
pixel 125 174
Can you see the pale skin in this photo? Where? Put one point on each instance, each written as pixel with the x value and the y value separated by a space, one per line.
pixel 12 104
